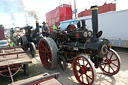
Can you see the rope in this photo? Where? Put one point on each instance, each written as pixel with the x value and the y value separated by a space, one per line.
pixel 12 75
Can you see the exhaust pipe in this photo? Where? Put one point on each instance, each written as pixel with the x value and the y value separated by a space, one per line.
pixel 94 10
pixel 37 26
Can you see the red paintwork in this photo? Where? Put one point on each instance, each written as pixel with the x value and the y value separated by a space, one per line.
pixel 101 9
pixel 45 54
pixel 2 36
pixel 59 14
pixel 111 63
pixel 71 27
pixel 83 71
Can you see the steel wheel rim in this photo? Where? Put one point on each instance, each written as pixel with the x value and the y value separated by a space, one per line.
pixel 31 50
pixel 111 63
pixel 84 74
pixel 45 54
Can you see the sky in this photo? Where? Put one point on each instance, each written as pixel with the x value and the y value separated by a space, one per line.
pixel 19 12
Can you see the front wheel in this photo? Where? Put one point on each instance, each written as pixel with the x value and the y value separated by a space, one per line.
pixel 111 63
pixel 84 70
pixel 32 49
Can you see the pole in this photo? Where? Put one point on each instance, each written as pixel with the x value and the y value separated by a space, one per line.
pixel 75 8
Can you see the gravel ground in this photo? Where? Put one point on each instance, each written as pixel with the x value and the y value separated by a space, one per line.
pixel 67 77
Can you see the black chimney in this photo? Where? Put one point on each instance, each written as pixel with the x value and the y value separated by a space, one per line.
pixel 37 26
pixel 94 10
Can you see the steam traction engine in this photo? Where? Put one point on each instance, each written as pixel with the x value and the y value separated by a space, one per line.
pixel 83 47
pixel 31 39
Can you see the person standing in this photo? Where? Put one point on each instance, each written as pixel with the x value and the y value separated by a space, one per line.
pixel 55 26
pixel 45 29
pixel 11 44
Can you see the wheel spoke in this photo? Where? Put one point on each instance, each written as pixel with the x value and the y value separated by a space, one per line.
pixel 85 66
pixel 108 68
pixel 87 79
pixel 80 75
pixel 106 57
pixel 44 57
pixel 43 46
pixel 88 76
pixel 114 60
pixel 115 64
pixel 48 52
pixel 82 78
pixel 47 49
pixel 104 66
pixel 78 64
pixel 111 56
pixel 43 51
pixel 111 68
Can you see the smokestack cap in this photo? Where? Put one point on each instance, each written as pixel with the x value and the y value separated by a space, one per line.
pixel 94 7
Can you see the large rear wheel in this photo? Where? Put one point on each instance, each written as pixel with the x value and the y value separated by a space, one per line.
pixel 84 70
pixel 111 63
pixel 48 53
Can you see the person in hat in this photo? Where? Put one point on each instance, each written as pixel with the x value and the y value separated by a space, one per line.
pixel 45 29
pixel 55 27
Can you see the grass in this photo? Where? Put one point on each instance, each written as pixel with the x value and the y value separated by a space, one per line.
pixel 20 75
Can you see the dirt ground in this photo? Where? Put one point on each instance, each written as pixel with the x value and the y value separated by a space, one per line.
pixel 67 77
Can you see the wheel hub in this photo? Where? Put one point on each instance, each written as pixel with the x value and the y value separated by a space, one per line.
pixel 109 61
pixel 83 70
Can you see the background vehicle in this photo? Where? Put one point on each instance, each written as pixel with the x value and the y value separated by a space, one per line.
pixel 3 43
pixel 31 39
